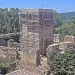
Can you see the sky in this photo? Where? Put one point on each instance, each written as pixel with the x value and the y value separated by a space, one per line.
pixel 58 5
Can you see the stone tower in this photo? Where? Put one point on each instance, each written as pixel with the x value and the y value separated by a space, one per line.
pixel 36 32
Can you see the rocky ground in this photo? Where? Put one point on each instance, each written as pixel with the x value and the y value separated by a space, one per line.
pixel 22 72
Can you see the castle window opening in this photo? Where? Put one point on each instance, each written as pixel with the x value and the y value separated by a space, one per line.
pixel 23 16
pixel 45 16
pixel 30 17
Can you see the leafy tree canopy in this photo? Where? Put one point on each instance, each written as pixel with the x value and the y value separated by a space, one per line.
pixel 9 20
pixel 63 64
pixel 66 29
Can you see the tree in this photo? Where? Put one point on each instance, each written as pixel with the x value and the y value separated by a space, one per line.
pixel 63 64
pixel 66 29
pixel 58 20
pixel 1 19
pixel 9 20
pixel 14 19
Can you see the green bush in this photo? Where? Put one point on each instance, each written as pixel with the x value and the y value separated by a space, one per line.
pixel 63 64
pixel 6 64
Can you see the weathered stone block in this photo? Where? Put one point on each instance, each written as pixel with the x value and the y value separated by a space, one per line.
pixel 69 39
pixel 56 38
pixel 65 45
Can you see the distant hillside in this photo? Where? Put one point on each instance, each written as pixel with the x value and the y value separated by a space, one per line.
pixel 68 16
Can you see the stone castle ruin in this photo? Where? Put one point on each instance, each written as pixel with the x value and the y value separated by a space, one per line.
pixel 36 41
pixel 36 33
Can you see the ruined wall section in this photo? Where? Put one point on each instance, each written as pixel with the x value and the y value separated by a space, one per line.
pixel 30 44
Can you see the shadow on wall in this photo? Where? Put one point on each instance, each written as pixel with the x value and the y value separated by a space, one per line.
pixel 3 42
pixel 3 71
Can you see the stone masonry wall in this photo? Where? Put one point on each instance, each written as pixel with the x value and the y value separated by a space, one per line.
pixel 30 45
pixel 36 33
pixel 56 38
pixel 69 39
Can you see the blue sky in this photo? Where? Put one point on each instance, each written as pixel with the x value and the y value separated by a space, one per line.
pixel 59 5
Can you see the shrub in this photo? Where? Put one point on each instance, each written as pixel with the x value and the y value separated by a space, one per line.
pixel 63 64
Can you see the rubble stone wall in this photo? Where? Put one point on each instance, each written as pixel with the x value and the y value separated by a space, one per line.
pixel 51 50
pixel 56 38
pixel 69 39
pixel 65 45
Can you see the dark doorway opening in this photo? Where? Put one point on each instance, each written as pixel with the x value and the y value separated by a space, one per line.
pixel 3 71
pixel 45 45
